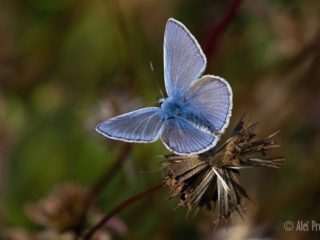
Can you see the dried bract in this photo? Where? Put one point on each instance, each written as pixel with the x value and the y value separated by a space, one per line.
pixel 61 210
pixel 212 178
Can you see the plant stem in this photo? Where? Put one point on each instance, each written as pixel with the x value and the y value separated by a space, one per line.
pixel 100 183
pixel 107 175
pixel 221 27
pixel 119 208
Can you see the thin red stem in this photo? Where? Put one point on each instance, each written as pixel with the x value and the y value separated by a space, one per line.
pixel 118 209
pixel 107 175
pixel 214 37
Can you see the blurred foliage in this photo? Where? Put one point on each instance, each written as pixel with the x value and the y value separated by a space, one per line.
pixel 67 65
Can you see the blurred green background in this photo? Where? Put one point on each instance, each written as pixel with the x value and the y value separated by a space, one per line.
pixel 67 65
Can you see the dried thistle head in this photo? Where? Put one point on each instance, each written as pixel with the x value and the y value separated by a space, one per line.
pixel 16 234
pixel 63 214
pixel 212 178
pixel 61 210
pixel 20 234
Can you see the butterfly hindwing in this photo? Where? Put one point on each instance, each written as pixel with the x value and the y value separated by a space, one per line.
pixel 182 137
pixel 184 60
pixel 212 97
pixel 143 125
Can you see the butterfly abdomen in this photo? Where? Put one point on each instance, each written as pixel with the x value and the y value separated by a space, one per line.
pixel 199 121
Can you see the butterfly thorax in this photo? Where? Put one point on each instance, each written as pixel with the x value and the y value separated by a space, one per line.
pixel 180 109
pixel 171 108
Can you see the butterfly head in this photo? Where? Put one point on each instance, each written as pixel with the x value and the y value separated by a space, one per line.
pixel 160 100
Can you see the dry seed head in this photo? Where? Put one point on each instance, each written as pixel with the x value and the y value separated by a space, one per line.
pixel 212 178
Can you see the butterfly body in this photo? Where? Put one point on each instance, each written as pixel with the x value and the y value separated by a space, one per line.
pixel 172 108
pixel 179 109
pixel 195 113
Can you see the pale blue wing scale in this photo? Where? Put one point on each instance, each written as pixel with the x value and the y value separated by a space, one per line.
pixel 141 126
pixel 211 97
pixel 183 138
pixel 184 60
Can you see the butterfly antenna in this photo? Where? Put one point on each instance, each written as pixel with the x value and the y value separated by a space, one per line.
pixel 156 79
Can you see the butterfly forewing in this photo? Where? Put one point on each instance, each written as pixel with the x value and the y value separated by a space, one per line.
pixel 211 96
pixel 182 137
pixel 184 60
pixel 143 125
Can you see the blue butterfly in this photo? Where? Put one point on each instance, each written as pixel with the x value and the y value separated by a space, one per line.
pixel 195 113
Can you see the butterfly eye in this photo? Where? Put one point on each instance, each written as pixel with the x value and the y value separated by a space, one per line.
pixel 160 100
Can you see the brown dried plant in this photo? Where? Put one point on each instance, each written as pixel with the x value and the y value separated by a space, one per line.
pixel 212 179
